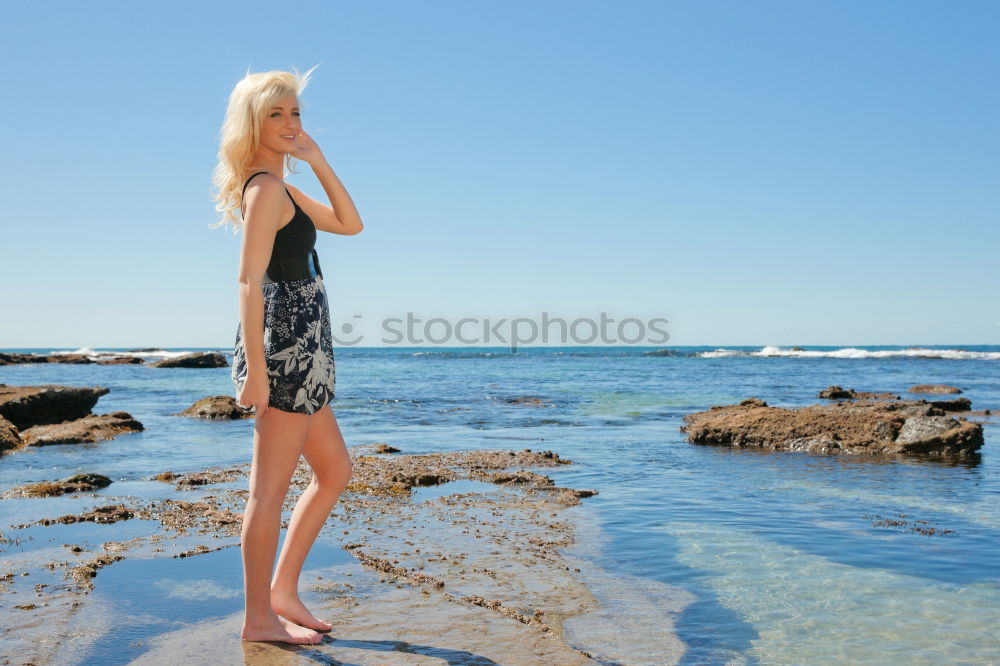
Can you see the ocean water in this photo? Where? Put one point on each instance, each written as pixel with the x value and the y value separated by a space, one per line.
pixel 751 557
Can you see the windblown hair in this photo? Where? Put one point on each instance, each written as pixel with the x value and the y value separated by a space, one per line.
pixel 239 137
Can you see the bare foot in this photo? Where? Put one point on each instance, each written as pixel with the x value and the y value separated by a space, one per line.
pixel 289 606
pixel 280 629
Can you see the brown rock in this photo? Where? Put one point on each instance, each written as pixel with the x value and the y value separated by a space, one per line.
pixel 217 407
pixel 82 574
pixel 427 478
pixel 121 360
pixel 933 388
pixel 521 476
pixel 110 513
pixel 862 427
pixel 92 428
pixel 193 360
pixel 10 359
pixel 838 393
pixel 382 447
pixel 74 483
pixel 10 438
pixel 953 405
pixel 27 406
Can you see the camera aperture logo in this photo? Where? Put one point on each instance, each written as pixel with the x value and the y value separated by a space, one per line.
pixel 413 331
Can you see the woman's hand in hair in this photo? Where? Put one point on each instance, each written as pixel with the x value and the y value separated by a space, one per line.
pixel 256 393
pixel 307 150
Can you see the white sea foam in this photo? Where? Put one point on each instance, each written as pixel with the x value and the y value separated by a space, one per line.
pixel 723 353
pixel 855 352
pixel 82 350
pixel 807 609
pixel 94 354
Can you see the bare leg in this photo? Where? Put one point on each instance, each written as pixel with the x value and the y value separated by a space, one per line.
pixel 277 444
pixel 331 464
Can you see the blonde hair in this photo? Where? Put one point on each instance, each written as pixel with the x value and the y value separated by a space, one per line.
pixel 239 137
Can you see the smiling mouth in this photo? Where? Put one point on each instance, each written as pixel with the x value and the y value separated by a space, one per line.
pixel 288 136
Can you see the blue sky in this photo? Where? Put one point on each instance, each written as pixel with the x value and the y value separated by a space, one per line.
pixel 755 172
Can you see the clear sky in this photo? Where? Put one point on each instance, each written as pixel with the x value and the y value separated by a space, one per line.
pixel 756 172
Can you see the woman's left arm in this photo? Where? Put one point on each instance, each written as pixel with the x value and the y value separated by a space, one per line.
pixel 342 217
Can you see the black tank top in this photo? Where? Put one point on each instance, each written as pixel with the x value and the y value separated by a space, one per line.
pixel 293 256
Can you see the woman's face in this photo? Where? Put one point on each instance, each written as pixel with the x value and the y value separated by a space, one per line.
pixel 281 126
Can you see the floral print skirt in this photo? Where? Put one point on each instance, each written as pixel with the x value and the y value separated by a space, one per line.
pixel 298 346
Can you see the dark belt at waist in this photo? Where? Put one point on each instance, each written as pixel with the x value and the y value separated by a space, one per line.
pixel 285 269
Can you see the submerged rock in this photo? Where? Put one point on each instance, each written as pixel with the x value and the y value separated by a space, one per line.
pixel 527 400
pixel 27 406
pixel 861 427
pixel 217 407
pixel 193 360
pixel 92 428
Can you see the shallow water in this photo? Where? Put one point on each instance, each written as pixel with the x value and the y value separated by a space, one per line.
pixel 751 556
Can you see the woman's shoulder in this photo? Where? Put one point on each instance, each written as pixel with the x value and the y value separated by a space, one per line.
pixel 266 190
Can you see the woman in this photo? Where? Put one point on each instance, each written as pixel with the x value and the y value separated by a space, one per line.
pixel 283 359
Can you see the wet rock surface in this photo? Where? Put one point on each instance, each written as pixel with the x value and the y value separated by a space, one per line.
pixel 110 513
pixel 217 407
pixel 10 438
pixel 839 393
pixel 27 406
pixel 193 360
pixel 856 427
pixel 16 358
pixel 953 405
pixel 71 484
pixel 83 574
pixel 91 428
pixel 482 564
pixel 121 360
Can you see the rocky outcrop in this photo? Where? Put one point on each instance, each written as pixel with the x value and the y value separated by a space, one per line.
pixel 194 360
pixel 91 428
pixel 10 438
pixel 953 405
pixel 856 427
pixel 933 388
pixel 11 359
pixel 217 407
pixel 838 393
pixel 27 406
